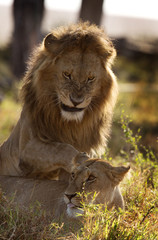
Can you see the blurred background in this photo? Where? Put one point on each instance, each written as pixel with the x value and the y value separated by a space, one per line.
pixel 133 28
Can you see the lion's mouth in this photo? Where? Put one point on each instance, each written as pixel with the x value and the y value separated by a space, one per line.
pixel 71 109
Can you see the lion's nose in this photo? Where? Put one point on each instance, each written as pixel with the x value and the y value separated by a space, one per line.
pixel 70 196
pixel 76 100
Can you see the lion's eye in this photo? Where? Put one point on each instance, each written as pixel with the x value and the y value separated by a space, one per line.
pixel 90 79
pixel 91 178
pixel 67 75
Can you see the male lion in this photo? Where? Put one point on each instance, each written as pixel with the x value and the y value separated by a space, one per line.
pixel 59 197
pixel 68 95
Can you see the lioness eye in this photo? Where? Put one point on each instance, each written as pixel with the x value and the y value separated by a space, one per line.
pixel 67 75
pixel 91 178
pixel 72 175
pixel 90 79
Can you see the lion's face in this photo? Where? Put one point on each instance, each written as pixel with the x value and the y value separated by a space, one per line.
pixel 78 77
pixel 77 72
pixel 92 176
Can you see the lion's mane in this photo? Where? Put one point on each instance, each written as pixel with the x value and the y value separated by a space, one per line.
pixel 42 109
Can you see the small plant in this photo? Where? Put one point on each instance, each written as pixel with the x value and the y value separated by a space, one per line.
pixel 134 141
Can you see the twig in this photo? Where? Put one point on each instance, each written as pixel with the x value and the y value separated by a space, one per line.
pixel 146 214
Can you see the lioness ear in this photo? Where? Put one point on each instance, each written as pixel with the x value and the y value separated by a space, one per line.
pixel 52 44
pixel 80 158
pixel 116 174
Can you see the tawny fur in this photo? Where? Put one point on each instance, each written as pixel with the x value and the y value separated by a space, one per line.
pixel 42 122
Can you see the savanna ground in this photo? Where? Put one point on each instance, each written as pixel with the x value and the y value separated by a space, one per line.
pixel 133 142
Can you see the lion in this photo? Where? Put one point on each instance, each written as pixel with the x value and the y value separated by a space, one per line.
pixel 68 95
pixel 60 198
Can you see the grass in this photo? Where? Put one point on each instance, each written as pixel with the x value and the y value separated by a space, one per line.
pixel 9 114
pixel 138 221
pixel 137 68
pixel 143 106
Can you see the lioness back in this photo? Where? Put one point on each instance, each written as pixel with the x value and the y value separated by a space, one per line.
pixel 90 177
pixel 26 192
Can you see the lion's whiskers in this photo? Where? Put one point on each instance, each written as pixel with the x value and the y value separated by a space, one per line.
pixel 90 108
pixel 52 99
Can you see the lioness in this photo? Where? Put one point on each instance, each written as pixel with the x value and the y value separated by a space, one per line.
pixel 68 95
pixel 59 197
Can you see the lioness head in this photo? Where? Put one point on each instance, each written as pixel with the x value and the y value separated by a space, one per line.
pixel 92 176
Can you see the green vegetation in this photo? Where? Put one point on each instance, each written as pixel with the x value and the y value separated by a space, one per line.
pixel 9 114
pixel 137 68
pixel 140 190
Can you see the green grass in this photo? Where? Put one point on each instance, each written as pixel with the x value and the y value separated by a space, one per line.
pixel 142 68
pixel 140 105
pixel 9 114
pixel 138 221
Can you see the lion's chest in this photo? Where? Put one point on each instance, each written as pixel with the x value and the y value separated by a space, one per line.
pixel 83 138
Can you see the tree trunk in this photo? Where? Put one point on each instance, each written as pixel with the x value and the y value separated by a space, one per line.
pixel 91 10
pixel 27 15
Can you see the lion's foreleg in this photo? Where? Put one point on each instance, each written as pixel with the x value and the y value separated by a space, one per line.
pixel 41 157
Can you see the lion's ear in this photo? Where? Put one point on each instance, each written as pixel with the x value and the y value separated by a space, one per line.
pixel 52 44
pixel 111 55
pixel 116 174
pixel 109 52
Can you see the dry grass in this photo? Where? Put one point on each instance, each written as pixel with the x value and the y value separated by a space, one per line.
pixel 140 190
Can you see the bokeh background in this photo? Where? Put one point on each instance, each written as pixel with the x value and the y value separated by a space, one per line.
pixel 133 28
